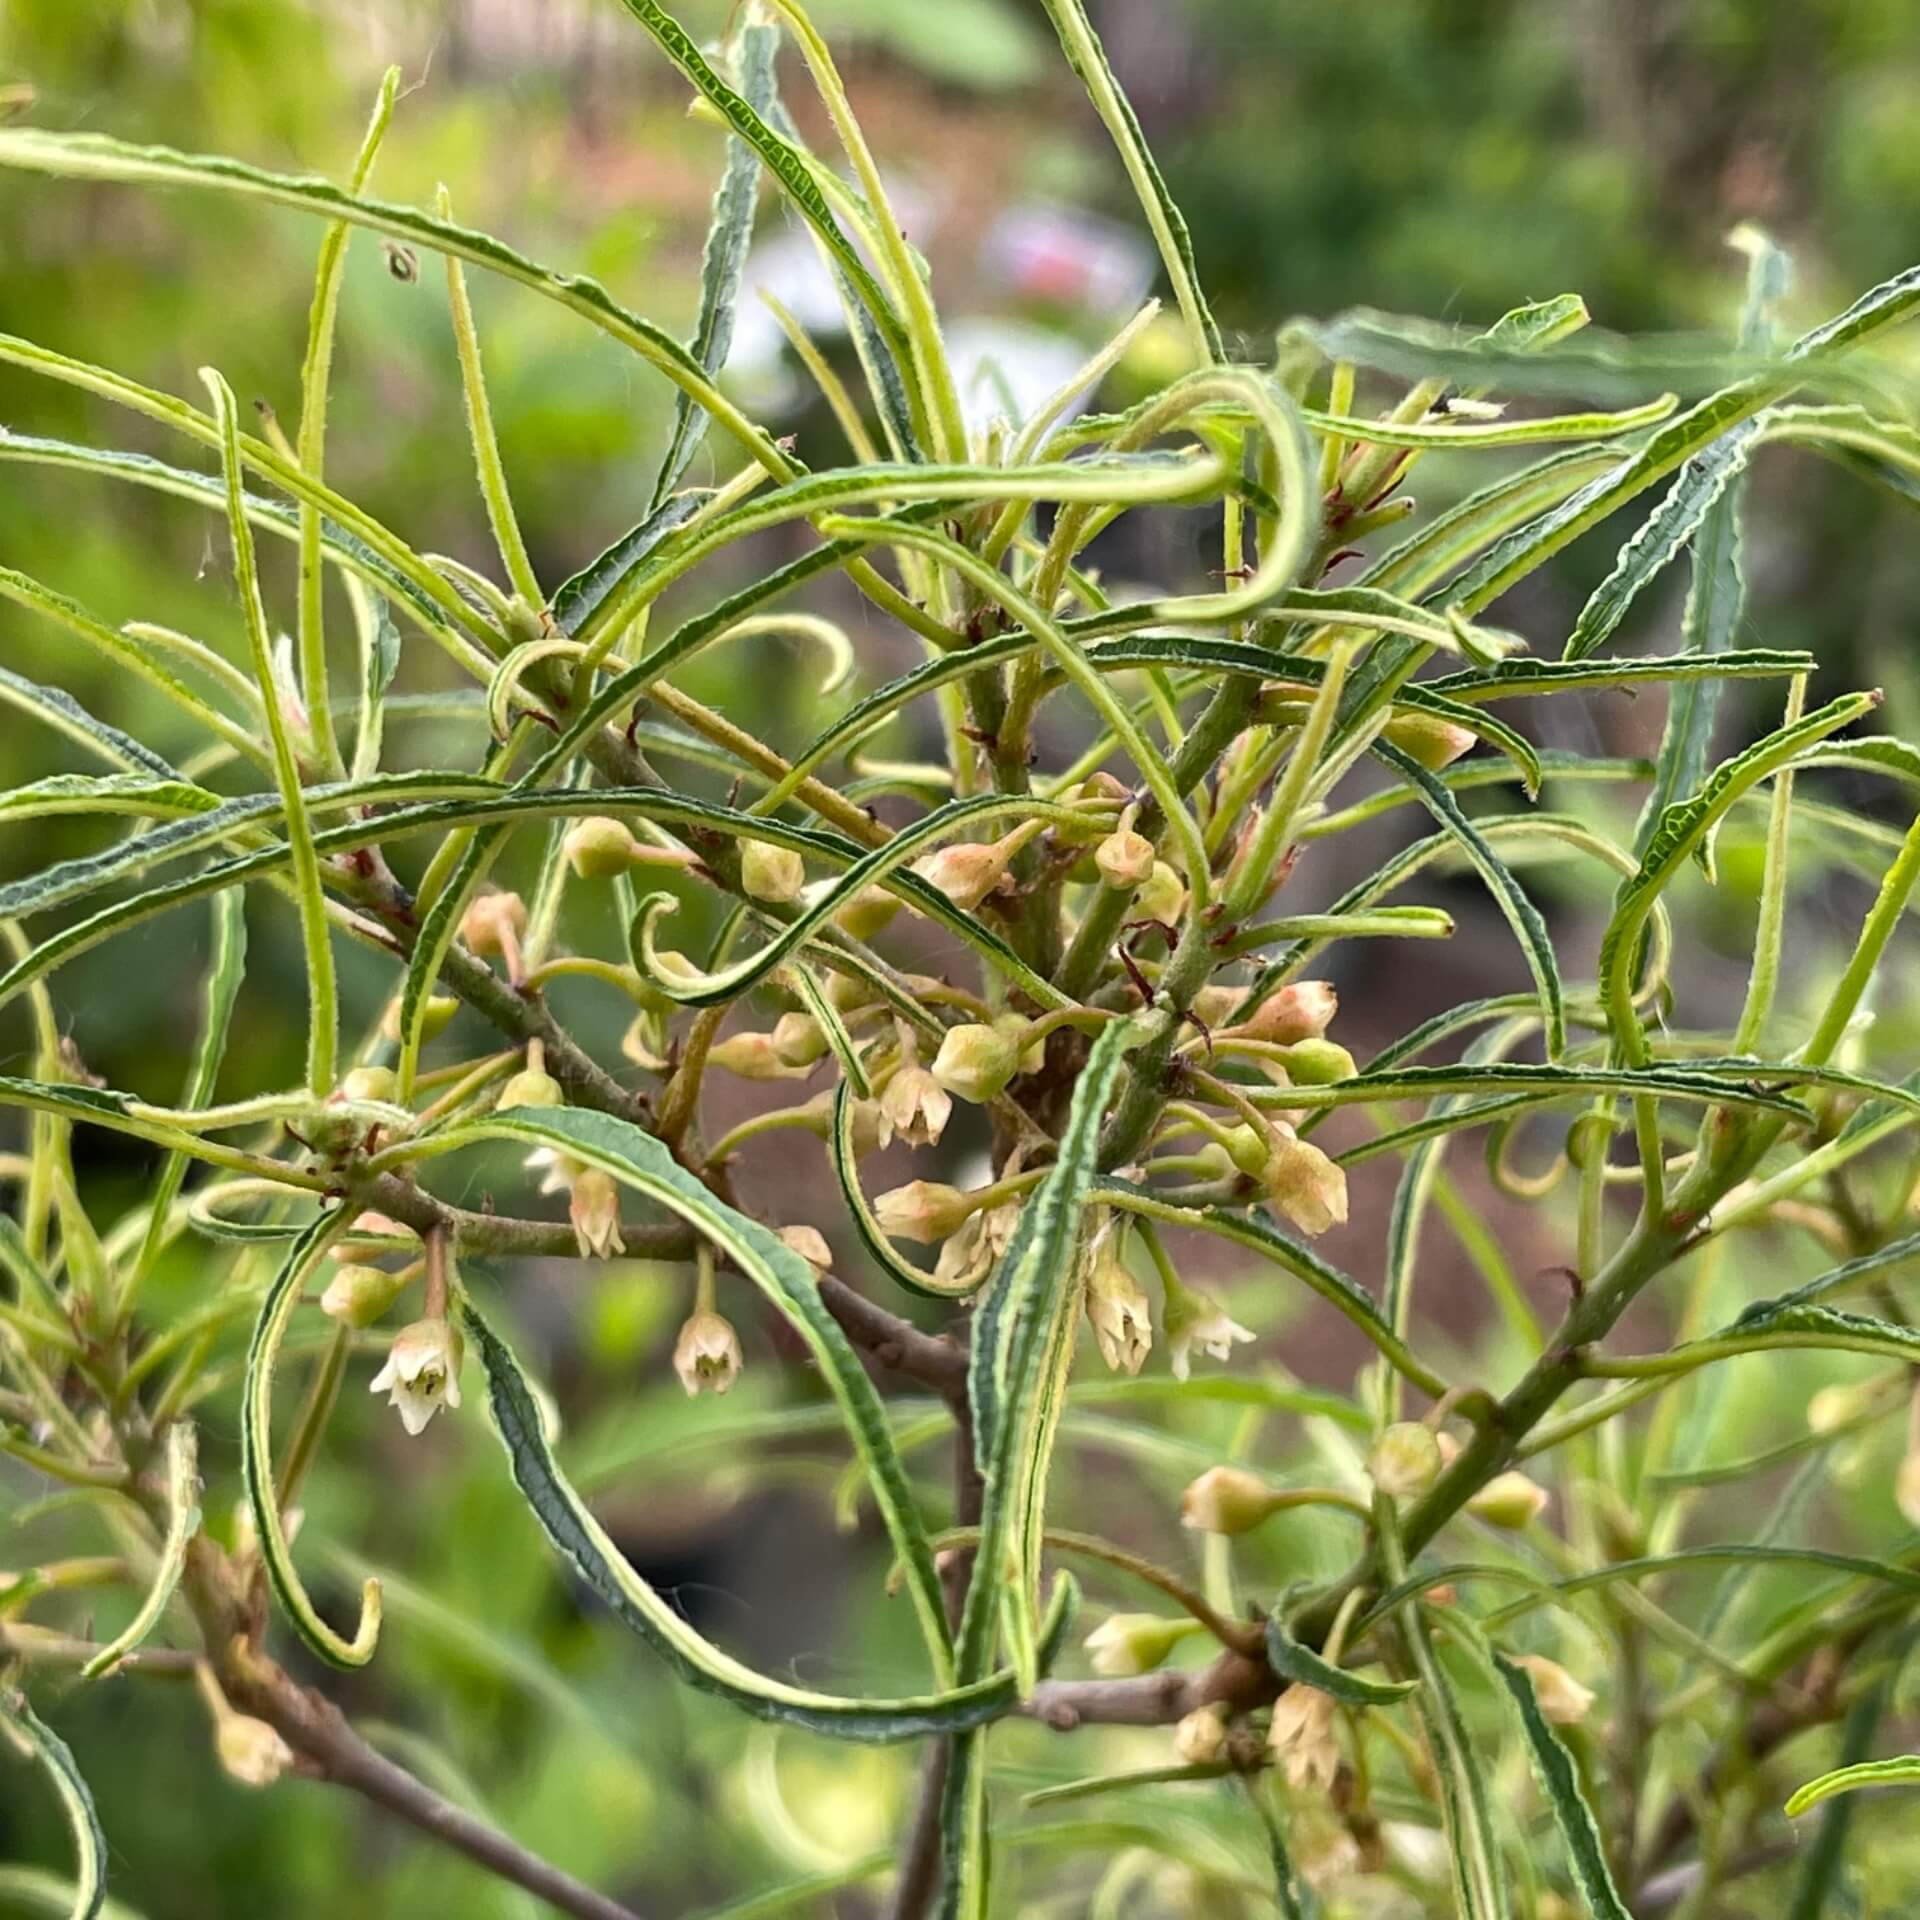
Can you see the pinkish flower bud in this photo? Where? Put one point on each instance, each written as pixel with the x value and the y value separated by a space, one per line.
pixel 1301 1010
pixel 810 1244
pixel 923 1210
pixel 1563 1700
pixel 1301 1736
pixel 494 923
pixel 753 1056
pixel 1426 738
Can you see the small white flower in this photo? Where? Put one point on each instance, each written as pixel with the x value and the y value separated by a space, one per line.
pixel 970 1255
pixel 914 1105
pixel 422 1372
pixel 1197 1320
pixel 556 1171
pixel 1121 1318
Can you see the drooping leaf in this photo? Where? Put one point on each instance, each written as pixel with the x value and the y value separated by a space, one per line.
pixel 56 1759
pixel 183 1518
pixel 1560 1781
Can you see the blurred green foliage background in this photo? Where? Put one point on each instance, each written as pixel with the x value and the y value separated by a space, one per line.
pixel 1448 157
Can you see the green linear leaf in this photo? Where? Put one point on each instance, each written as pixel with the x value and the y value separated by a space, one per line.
pixel 1293 1660
pixel 63 712
pixel 135 793
pixel 183 1519
pixel 1528 925
pixel 95 156
pixel 1022 1343
pixel 1684 826
pixel 577 599
pixel 724 259
pixel 1513 679
pixel 1561 1782
pixel 56 1757
pixel 1903 1770
pixel 225 970
pixel 1679 518
pixel 256 1455
pixel 782 160
pixel 640 1161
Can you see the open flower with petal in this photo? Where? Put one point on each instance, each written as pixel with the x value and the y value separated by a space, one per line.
pixel 595 1213
pixel 1197 1320
pixel 422 1373
pixel 969 1255
pixel 1301 1736
pixel 706 1356
pixel 915 1106
pixel 1304 1185
pixel 1121 1318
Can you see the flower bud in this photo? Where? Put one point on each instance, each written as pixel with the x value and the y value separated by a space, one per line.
pixel 1118 1311
pixel 968 872
pixel 1129 1643
pixel 866 913
pixel 976 1062
pixel 494 923
pixel 370 1083
pixel 597 848
pixel 1301 1736
pixel 753 1056
pixel 372 1234
pixel 1405 1460
pixel 914 1105
pixel 848 993
pixel 1509 1500
pixel 1215 1006
pixel 817 1116
pixel 1301 1010
pixel 799 1040
pixel 1200 1738
pixel 810 1244
pixel 1125 860
pixel 422 1373
pixel 1098 794
pixel 531 1087
pixel 1304 1186
pixel 1563 1700
pixel 1833 1407
pixel 769 873
pixel 1318 1063
pixel 923 1211
pixel 1226 1500
pixel 358 1296
pixel 594 1210
pixel 249 1750
pixel 439 1010
pixel 707 1353
pixel 1426 738
pixel 645 1041
pixel 1161 895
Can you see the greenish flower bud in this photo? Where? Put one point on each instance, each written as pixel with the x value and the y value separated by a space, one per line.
pixel 532 1088
pixel 1509 1500
pixel 1162 896
pixel 370 1083
pixel 867 913
pixel 597 848
pixel 1125 860
pixel 1227 1500
pixel 358 1296
pixel 435 1016
pixel 1405 1460
pixel 799 1040
pixel 775 874
pixel 1318 1063
pixel 1130 1643
pixel 976 1062
pixel 924 1211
